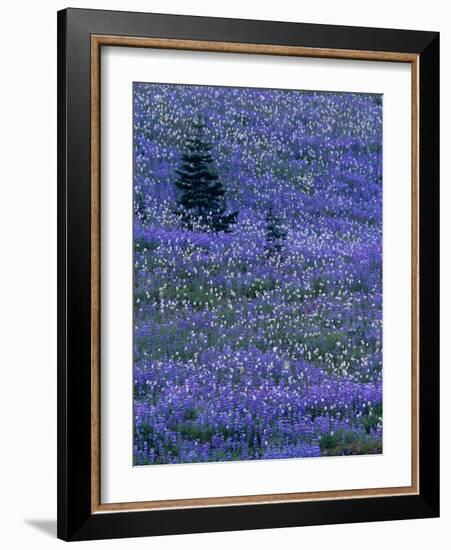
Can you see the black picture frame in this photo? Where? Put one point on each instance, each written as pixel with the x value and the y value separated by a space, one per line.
pixel 76 521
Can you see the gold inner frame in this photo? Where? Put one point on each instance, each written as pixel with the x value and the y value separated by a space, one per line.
pixel 97 41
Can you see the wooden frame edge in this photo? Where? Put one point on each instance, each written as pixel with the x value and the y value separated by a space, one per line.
pixel 176 44
pixel 415 271
pixel 235 47
pixel 95 276
pixel 322 496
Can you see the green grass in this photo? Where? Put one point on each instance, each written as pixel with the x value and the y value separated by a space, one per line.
pixel 343 443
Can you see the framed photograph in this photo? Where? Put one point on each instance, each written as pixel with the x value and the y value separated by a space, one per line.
pixel 248 274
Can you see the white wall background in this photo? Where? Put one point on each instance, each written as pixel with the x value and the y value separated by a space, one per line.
pixel 28 273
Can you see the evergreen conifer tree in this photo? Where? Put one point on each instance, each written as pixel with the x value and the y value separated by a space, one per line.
pixel 201 195
pixel 275 233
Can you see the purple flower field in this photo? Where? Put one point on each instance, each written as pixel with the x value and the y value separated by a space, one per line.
pixel 257 274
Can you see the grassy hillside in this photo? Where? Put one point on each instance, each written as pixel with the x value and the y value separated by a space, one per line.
pixel 240 354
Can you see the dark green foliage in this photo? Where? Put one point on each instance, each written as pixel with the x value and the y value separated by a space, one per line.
pixel 201 196
pixel 342 443
pixel 140 207
pixel 275 233
pixel 370 420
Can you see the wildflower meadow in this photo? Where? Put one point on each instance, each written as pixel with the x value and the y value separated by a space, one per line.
pixel 257 274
